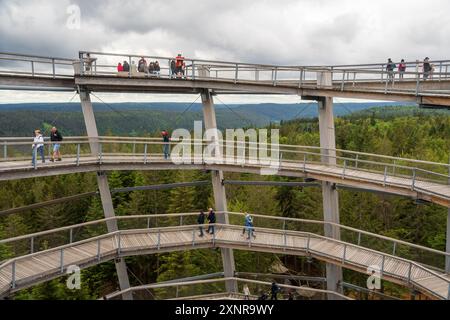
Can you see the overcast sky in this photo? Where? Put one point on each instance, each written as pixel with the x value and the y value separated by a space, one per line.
pixel 294 32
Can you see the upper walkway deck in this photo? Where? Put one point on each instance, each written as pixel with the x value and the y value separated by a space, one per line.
pixel 97 72
pixel 419 179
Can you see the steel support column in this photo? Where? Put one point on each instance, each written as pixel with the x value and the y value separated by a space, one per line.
pixel 220 200
pixel 103 186
pixel 329 192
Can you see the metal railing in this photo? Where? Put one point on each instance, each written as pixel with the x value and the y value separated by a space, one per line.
pixel 367 77
pixel 259 284
pixel 416 175
pixel 31 243
pixel 416 273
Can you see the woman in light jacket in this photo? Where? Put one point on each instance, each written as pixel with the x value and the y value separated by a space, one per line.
pixel 38 146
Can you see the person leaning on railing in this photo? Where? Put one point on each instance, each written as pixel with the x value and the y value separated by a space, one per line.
pixel 38 146
pixel 55 137
pixel 390 67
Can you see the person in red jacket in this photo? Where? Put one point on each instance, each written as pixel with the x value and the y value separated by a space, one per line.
pixel 179 61
pixel 119 67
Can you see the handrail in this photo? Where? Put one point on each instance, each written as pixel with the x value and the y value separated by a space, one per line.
pixel 223 142
pixel 260 230
pixel 225 279
pixel 190 214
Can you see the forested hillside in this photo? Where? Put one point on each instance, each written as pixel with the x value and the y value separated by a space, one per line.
pixel 424 135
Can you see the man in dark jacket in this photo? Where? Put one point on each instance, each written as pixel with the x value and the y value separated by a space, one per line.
pixel 274 291
pixel 201 221
pixel 56 138
pixel 212 220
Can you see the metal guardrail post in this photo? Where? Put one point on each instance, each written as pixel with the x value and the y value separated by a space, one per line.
pixel 440 71
pixel 145 153
pixel 98 249
pixel 343 81
pixel 53 68
pixel 343 171
pixel 304 163
pixel 129 65
pixel 409 272
pixel 119 244
pixel 78 155
pixel 71 235
pixel 148 223
pixel 236 73
pixel 284 241
pixel 344 253
pixel 32 68
pixel 385 176
pixel 62 260
pixel 181 221
pixel 393 168
pixel 308 242
pixel 413 179
pixel 275 77
pixel 193 70
pixel 300 82
pixel 35 157
pixel 417 84
pixel 100 152
pixel 32 245
pixel 13 275
pixel 134 148
pixel 5 150
pixel 356 161
pixel 448 292
pixel 382 265
pixel 159 239
pixel 394 249
pixel 193 237
pixel 359 238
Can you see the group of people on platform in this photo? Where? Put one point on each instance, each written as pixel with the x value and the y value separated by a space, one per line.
pixel 211 218
pixel 38 145
pixel 177 67
pixel 152 68
pixel 425 67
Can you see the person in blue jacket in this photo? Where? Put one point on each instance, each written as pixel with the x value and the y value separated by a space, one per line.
pixel 249 226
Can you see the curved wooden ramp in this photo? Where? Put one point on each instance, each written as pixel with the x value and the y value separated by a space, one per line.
pixel 28 270
pixel 433 191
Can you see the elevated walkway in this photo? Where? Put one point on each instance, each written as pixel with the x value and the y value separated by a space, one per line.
pixel 97 72
pixel 428 181
pixel 27 270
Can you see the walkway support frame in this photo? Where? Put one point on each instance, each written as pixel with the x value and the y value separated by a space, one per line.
pixel 220 200
pixel 330 197
pixel 103 186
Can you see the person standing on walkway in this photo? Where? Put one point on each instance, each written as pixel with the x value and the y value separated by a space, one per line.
pixel 390 67
pixel 249 226
pixel 37 147
pixel 166 146
pixel 212 221
pixel 246 292
pixel 401 68
pixel 426 68
pixel 56 138
pixel 201 221
pixel 274 291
